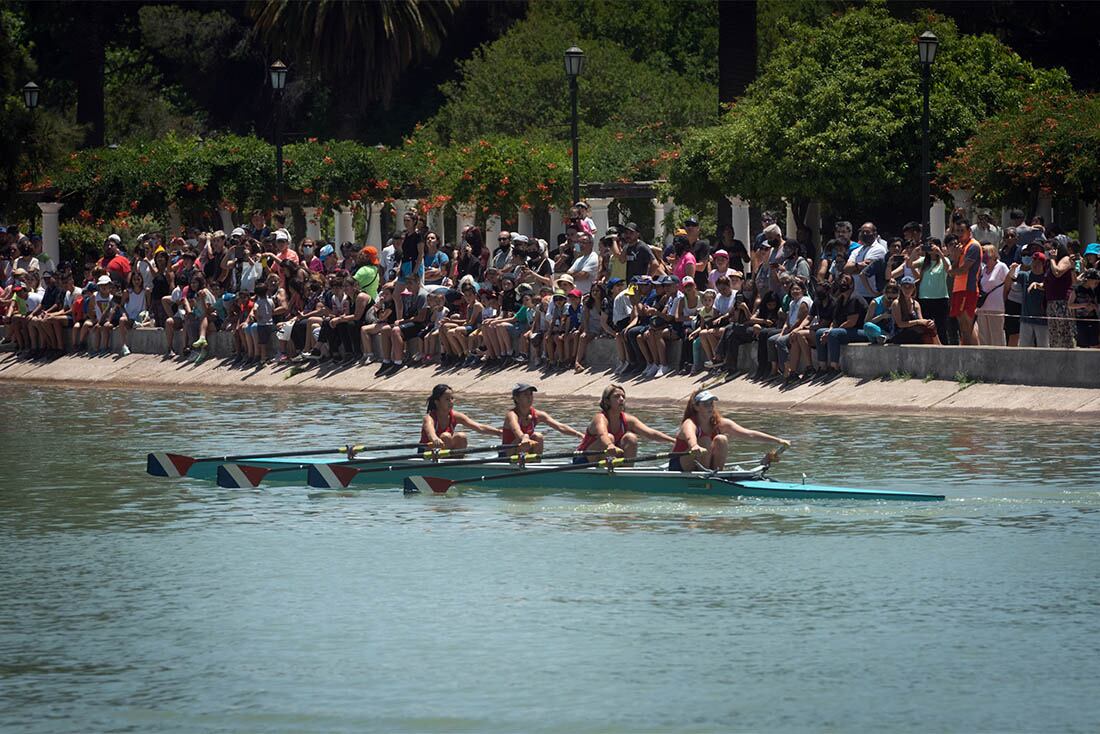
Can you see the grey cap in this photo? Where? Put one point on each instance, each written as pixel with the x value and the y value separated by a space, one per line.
pixel 523 387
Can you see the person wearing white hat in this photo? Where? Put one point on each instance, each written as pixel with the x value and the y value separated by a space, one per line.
pixel 705 433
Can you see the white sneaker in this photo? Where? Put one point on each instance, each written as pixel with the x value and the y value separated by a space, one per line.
pixel 125 351
pixel 650 371
pixel 662 371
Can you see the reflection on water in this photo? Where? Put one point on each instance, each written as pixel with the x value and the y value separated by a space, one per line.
pixel 133 603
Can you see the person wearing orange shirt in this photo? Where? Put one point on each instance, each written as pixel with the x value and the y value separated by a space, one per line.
pixel 964 266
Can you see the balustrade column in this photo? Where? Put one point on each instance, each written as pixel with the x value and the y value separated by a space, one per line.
pixel 598 211
pixel 51 241
pixel 374 225
pixel 525 222
pixel 345 230
pixel 313 222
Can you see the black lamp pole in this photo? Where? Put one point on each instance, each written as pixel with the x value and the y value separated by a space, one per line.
pixel 927 44
pixel 574 65
pixel 278 82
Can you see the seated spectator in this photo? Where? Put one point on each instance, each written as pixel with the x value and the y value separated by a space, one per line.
pixel 846 327
pixel 798 316
pixel 910 324
pixel 878 321
pixel 765 322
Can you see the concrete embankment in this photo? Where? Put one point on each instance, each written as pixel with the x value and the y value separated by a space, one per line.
pixel 913 396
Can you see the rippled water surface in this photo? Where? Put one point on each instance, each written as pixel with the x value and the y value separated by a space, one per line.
pixel 137 604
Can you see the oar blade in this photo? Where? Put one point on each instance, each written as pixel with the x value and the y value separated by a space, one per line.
pixel 163 464
pixel 241 476
pixel 427 485
pixel 330 476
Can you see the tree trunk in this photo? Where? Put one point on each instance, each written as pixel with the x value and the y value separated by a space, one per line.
pixel 90 80
pixel 736 64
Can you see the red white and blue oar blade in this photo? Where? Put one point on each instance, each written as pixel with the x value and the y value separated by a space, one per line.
pixel 173 466
pixel 241 476
pixel 427 485
pixel 330 476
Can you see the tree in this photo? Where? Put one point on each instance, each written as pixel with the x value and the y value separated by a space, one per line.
pixel 835 114
pixel 360 48
pixel 1048 145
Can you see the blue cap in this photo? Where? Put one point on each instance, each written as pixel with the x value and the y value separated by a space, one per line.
pixel 327 250
pixel 641 280
pixel 614 282
pixel 1093 249
pixel 227 297
pixel 667 280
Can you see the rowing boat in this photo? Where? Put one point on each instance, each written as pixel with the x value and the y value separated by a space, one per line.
pixel 735 482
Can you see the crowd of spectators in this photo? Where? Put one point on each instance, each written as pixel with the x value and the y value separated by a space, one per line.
pixel 524 300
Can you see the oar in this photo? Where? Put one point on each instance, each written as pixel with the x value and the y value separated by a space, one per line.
pixel 238 476
pixel 163 464
pixel 339 475
pixel 440 485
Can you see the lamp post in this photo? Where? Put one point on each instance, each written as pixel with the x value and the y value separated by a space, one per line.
pixel 574 65
pixel 278 82
pixel 926 44
pixel 30 95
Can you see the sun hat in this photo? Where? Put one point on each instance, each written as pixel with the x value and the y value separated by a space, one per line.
pixel 566 277
pixel 1093 249
pixel 559 294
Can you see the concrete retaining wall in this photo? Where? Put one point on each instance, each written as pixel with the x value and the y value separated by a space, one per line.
pixel 1018 366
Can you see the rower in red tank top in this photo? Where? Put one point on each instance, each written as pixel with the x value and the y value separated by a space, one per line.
pixel 520 422
pixel 613 431
pixel 439 429
pixel 705 433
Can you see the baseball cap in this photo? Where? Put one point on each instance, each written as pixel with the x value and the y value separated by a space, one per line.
pixel 523 387
pixel 237 232
pixel 582 204
pixel 691 222
pixel 908 280
pixel 721 253
pixel 614 282
pixel 687 280
pixel 282 234
pixel 704 396
pixel 575 293
pixel 630 227
pixel 559 294
pixel 667 280
pixel 104 280
pixel 1039 255
pixel 327 250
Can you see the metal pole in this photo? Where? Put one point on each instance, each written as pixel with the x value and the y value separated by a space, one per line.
pixel 576 155
pixel 278 152
pixel 926 163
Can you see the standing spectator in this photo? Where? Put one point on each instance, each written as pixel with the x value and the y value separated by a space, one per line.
pixel 985 231
pixel 257 227
pixel 991 298
pixel 963 267
pixel 1084 303
pixel 1056 287
pixel 117 265
pixel 1033 324
pixel 863 259
pixel 586 266
pixel 639 255
pixel 435 260
pixel 700 248
pixel 684 265
pixel 734 248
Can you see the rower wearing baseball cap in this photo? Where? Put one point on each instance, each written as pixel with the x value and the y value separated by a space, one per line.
pixel 705 433
pixel 521 420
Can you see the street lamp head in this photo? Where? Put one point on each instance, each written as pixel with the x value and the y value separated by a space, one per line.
pixel 927 44
pixel 574 61
pixel 278 76
pixel 30 95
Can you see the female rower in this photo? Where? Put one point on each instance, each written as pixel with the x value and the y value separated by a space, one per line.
pixel 705 431
pixel 439 429
pixel 520 422
pixel 613 431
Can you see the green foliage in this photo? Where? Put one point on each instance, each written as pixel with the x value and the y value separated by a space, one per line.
pixel 964 380
pixel 900 375
pixel 1050 144
pixel 835 114
pixel 614 91
pixel 673 35
pixel 143 105
pixel 82 238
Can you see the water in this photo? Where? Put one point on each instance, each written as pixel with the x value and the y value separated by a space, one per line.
pixel 136 604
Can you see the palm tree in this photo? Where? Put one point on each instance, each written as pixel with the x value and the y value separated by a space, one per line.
pixel 360 48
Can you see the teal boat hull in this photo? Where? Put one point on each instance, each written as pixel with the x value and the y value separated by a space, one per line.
pixel 731 483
